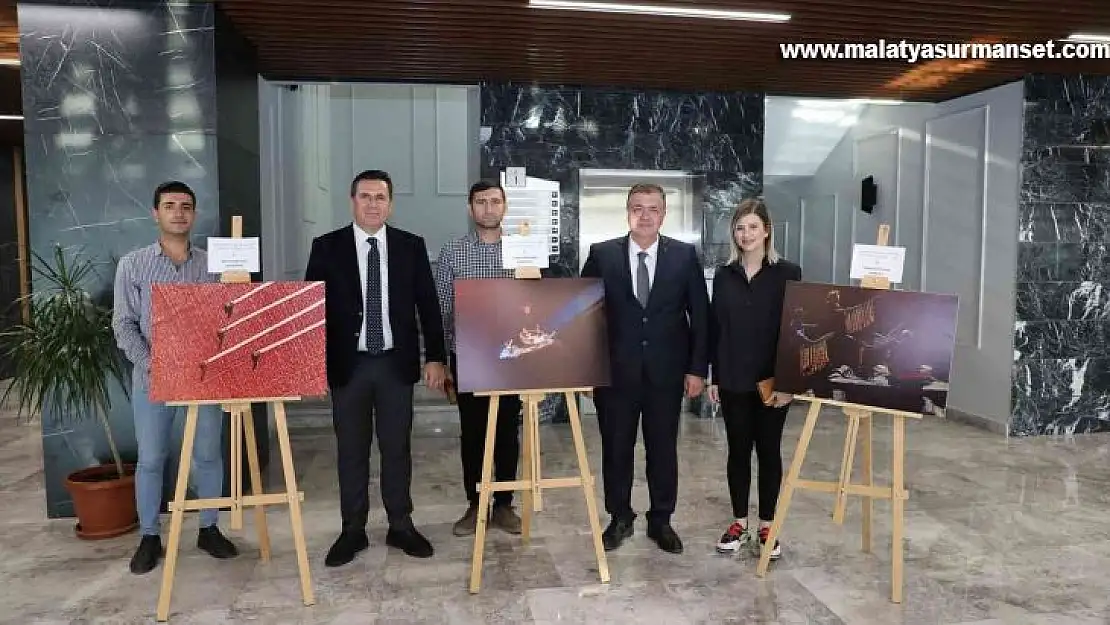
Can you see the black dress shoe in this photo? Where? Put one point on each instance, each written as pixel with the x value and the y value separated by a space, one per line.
pixel 616 533
pixel 346 547
pixel 665 537
pixel 410 541
pixel 147 555
pixel 211 540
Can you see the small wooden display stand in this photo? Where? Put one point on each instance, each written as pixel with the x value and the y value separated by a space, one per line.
pixel 532 483
pixel 859 425
pixel 242 424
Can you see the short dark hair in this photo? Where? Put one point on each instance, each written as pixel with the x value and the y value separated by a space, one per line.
pixel 484 185
pixel 372 174
pixel 647 188
pixel 173 186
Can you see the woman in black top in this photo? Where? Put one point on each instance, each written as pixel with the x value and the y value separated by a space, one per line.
pixel 746 312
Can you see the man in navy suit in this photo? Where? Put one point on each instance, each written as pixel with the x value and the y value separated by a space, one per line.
pixel 657 309
pixel 377 280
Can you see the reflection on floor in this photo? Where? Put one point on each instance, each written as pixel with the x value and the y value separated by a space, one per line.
pixel 998 532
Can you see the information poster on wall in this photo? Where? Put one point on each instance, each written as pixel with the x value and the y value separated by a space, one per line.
pixel 537 202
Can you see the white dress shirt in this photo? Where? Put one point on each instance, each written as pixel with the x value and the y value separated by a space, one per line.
pixel 363 250
pixel 634 250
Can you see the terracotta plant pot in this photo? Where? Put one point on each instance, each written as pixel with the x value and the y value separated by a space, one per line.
pixel 105 504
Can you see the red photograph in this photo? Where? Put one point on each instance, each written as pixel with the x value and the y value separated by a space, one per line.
pixel 228 341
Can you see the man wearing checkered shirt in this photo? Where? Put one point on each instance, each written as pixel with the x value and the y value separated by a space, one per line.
pixel 478 255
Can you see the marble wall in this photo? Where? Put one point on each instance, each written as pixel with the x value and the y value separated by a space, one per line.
pixel 237 139
pixel 9 252
pixel 554 131
pixel 1061 373
pixel 119 97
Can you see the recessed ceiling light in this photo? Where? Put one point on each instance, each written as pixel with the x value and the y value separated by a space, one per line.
pixel 12 118
pixel 1089 37
pixel 880 101
pixel 667 11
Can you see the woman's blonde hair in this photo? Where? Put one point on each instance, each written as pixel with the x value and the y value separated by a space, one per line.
pixel 757 207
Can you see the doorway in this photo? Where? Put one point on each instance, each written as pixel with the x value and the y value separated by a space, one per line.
pixel 14 265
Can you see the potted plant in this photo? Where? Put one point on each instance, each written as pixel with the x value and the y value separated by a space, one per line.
pixel 64 358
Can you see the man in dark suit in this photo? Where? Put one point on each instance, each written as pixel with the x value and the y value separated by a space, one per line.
pixel 378 279
pixel 657 310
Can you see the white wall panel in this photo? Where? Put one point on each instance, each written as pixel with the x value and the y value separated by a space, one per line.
pixel 952 239
pixel 819 234
pixel 452 138
pixel 877 155
pixel 382 130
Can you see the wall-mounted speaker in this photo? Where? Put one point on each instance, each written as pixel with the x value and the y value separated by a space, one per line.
pixel 869 195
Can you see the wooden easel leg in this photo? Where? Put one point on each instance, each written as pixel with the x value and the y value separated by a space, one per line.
pixel 177 514
pixel 867 502
pixel 236 467
pixel 897 507
pixel 256 488
pixel 588 488
pixel 788 486
pixel 527 465
pixel 537 465
pixel 484 495
pixel 294 498
pixel 846 462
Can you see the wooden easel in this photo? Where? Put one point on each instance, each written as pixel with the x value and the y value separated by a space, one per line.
pixel 532 484
pixel 858 415
pixel 242 424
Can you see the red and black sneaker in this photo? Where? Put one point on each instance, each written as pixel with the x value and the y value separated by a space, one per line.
pixel 734 538
pixel 764 532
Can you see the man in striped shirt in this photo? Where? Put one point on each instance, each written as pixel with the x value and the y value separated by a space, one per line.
pixel 172 258
pixel 478 255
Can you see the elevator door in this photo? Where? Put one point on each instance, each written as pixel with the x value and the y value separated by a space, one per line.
pixel 602 205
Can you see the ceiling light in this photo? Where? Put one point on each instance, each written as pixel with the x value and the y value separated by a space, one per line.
pixel 880 101
pixel 819 116
pixel 668 11
pixel 12 118
pixel 1089 37
pixel 11 62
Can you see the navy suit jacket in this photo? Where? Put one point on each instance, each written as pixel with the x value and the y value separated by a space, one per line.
pixel 412 291
pixel 669 338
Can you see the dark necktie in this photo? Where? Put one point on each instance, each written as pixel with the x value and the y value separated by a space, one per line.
pixel 643 284
pixel 375 332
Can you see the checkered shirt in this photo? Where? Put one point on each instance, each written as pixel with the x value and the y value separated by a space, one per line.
pixel 463 258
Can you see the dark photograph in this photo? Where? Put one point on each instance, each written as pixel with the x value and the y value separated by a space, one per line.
pixel 878 348
pixel 515 335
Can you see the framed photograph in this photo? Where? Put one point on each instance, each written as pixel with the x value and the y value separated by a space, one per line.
pixel 878 348
pixel 519 335
pixel 218 341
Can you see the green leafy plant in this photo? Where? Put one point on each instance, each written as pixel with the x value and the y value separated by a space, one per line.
pixel 65 355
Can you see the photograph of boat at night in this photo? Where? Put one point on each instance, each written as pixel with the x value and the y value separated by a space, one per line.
pixel 879 348
pixel 515 334
pixel 529 341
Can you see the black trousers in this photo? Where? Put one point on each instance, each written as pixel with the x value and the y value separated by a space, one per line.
pixel 375 399
pixel 748 423
pixel 619 418
pixel 473 418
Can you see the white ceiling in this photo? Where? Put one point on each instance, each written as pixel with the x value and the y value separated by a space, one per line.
pixel 800 132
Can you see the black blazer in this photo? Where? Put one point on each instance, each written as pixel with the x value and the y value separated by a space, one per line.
pixel 745 321
pixel 669 338
pixel 412 291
